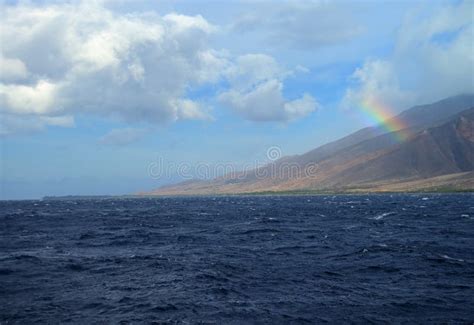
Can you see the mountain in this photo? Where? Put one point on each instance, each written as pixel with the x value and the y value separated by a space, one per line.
pixel 437 154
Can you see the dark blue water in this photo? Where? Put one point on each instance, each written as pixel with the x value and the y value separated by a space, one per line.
pixel 336 259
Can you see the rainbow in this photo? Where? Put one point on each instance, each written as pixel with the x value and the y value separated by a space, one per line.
pixel 381 114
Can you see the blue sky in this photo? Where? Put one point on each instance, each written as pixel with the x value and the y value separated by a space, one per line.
pixel 93 92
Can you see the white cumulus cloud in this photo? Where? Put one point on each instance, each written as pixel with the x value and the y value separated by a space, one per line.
pixel 257 91
pixel 60 60
pixel 12 69
pixel 82 58
pixel 432 59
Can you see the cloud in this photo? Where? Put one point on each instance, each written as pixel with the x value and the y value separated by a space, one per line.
pixel 67 59
pixel 61 60
pixel 12 69
pixel 28 99
pixel 432 59
pixel 11 125
pixel 378 79
pixel 121 137
pixel 265 102
pixel 256 91
pixel 300 24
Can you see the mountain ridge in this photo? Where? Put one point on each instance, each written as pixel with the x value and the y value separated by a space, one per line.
pixel 440 141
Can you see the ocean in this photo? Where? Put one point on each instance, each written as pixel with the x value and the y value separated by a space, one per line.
pixel 239 260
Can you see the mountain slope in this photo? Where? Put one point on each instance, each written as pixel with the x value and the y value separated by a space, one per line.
pixel 440 142
pixel 446 149
pixel 416 118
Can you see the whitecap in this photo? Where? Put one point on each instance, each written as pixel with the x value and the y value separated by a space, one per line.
pixel 446 257
pixel 382 215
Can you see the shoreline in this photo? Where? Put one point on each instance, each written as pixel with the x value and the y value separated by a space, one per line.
pixel 263 193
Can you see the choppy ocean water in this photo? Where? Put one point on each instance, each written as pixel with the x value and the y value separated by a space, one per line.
pixel 232 260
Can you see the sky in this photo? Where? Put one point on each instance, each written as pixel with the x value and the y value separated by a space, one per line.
pixel 95 94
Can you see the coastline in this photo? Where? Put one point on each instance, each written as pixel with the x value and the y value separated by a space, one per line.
pixel 261 193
